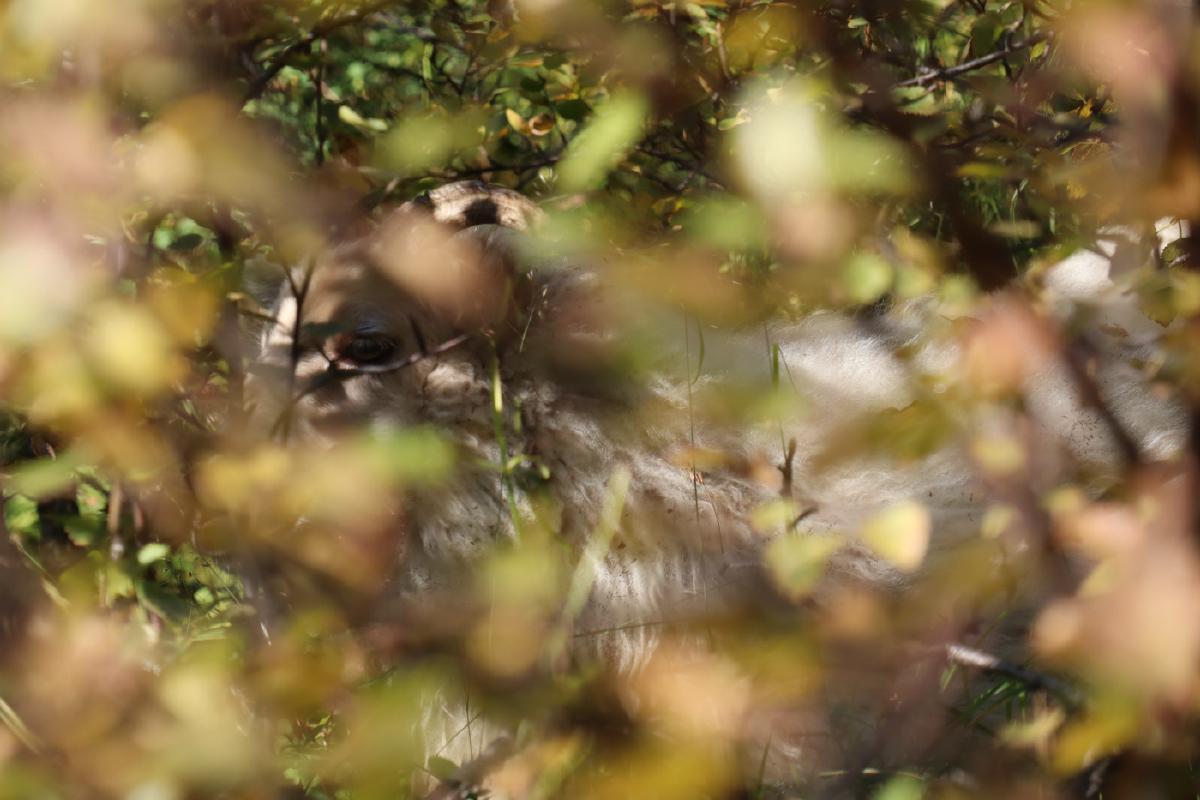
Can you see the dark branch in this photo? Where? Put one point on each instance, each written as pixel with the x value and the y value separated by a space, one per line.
pixel 965 656
pixel 260 82
pixel 935 75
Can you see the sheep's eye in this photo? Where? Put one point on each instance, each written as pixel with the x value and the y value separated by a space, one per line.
pixel 367 349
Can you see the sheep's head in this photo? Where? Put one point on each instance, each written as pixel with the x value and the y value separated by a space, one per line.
pixel 397 325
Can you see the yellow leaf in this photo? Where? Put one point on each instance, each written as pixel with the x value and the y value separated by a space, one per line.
pixel 796 563
pixel 541 125
pixel 774 515
pixel 900 534
pixel 867 277
pixel 516 121
pixel 131 349
pixel 1111 725
pixel 998 455
pixel 1036 733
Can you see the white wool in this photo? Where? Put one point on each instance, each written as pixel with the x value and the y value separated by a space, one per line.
pixel 687 547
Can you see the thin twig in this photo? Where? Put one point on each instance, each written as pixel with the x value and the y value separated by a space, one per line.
pixel 965 656
pixel 260 82
pixel 935 75
pixel 335 373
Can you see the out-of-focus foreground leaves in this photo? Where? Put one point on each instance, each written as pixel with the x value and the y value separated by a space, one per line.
pixel 168 632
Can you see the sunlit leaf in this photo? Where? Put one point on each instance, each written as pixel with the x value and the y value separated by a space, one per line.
pixel 867 277
pixel 797 562
pixel 21 516
pixel 154 551
pixel 131 349
pixel 900 534
pixel 614 129
pixel 792 147
pixel 421 141
pixel 901 788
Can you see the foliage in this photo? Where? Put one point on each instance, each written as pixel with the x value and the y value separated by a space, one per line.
pixel 169 631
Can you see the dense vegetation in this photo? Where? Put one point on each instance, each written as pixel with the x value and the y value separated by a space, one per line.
pixel 165 633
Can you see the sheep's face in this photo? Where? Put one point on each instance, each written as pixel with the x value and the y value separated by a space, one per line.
pixel 396 328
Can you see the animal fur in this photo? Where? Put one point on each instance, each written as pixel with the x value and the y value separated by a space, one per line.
pixel 684 548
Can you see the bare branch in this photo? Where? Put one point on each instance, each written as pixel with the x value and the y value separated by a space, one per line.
pixel 935 75
pixel 965 656
pixel 260 82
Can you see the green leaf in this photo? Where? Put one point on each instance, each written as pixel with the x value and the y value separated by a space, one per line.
pixel 84 531
pixel 419 142
pixel 351 117
pixel 573 109
pixel 118 583
pixel 21 516
pixel 160 601
pixel 797 562
pixel 152 552
pixel 867 277
pixel 91 500
pixel 1017 229
pixel 903 787
pixel 985 33
pixel 44 477
pixel 727 223
pixel 442 768
pixel 187 242
pixel 983 170
pixel 409 455
pixel 616 127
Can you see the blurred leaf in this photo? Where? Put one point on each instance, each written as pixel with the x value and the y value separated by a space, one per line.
pixel 867 277
pixel 900 535
pixel 573 109
pixel 187 242
pixel 91 499
pixel 130 348
pixel 1111 725
pixel 516 121
pixel 998 455
pixel 726 223
pixel 84 531
pixel 613 130
pixel 154 551
pixel 21 516
pixel 541 125
pixel 44 477
pixel 443 769
pixel 797 562
pixel 418 456
pixel 352 117
pixel 903 787
pixel 420 142
pixel 791 146
pixel 1017 229
pixel 985 33
pixel 161 602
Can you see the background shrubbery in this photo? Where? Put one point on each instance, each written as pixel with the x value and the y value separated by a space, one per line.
pixel 165 634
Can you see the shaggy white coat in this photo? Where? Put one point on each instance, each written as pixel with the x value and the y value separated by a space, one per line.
pixel 685 546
